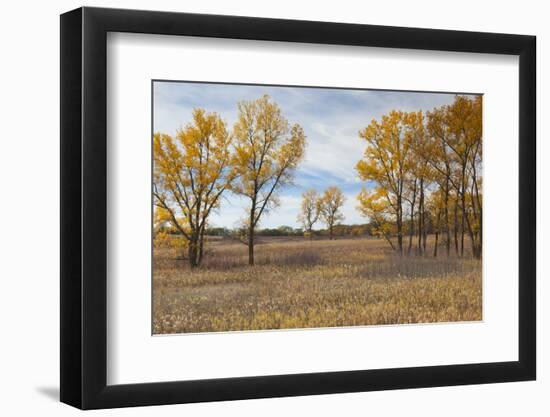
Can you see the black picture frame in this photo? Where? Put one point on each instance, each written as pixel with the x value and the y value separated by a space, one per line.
pixel 84 207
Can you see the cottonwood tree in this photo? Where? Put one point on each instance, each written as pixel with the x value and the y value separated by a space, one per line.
pixel 465 142
pixel 310 211
pixel 387 161
pixel 330 204
pixel 428 168
pixel 374 206
pixel 191 172
pixel 268 150
pixel 421 176
pixel 457 136
pixel 440 159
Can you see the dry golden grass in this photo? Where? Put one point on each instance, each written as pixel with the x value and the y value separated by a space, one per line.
pixel 303 284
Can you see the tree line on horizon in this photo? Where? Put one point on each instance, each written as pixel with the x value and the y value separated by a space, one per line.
pixel 426 170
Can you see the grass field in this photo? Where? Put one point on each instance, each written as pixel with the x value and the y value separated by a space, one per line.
pixel 297 283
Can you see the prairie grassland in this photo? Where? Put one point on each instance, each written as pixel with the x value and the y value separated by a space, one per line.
pixel 298 283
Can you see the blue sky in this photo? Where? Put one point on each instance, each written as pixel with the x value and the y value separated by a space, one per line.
pixel 331 119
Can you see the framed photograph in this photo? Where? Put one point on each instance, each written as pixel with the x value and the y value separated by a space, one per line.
pixel 257 208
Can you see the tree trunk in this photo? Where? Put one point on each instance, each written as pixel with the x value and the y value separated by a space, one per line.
pixel 421 216
pixel 462 237
pixel 424 234
pixel 201 247
pixel 479 251
pixel 330 231
pixel 480 244
pixel 477 217
pixel 456 226
pixel 388 239
pixel 251 227
pixel 251 245
pixel 463 201
pixel 472 237
pixel 437 232
pixel 399 225
pixel 192 252
pixel 411 234
pixel 447 228
pixel 475 187
pixel 411 231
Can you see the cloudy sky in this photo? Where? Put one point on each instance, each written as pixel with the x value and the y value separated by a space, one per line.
pixel 331 119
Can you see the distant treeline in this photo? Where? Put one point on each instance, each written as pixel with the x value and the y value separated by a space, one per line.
pixel 348 230
pixel 338 230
